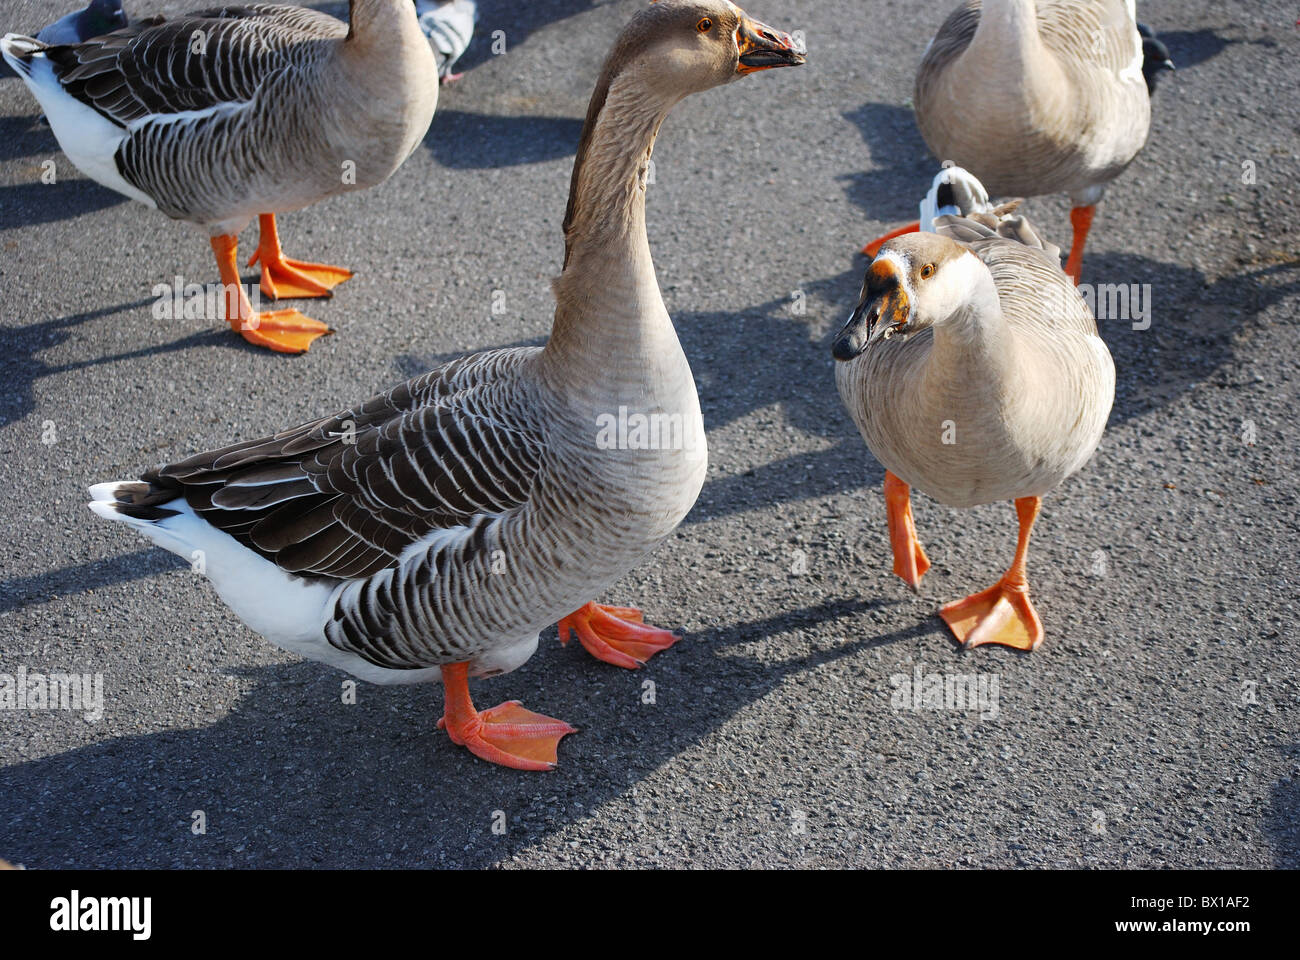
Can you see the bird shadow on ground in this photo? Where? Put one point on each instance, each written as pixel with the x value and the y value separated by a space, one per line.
pixel 293 777
pixel 1284 820
pixel 1187 48
pixel 30 204
pixel 19 592
pixel 518 21
pixel 20 367
pixel 26 137
pixel 1194 328
pixel 899 164
pixel 477 141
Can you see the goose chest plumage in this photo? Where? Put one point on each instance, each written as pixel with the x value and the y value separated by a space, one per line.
pixel 432 531
pixel 974 372
pixel 238 112
pixel 1037 97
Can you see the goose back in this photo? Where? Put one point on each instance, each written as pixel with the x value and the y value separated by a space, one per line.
pixel 233 111
pixel 1061 107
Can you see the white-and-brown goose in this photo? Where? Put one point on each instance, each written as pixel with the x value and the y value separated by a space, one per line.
pixel 239 112
pixel 433 530
pixel 974 372
pixel 1036 97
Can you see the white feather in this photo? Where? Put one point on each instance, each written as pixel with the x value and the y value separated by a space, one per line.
pixel 89 139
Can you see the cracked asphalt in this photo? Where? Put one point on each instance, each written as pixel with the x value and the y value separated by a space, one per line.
pixel 1156 726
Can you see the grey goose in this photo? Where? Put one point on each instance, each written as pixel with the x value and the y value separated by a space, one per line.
pixel 431 531
pixel 238 112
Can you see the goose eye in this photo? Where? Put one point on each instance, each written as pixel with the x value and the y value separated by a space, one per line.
pixel 704 25
pixel 927 271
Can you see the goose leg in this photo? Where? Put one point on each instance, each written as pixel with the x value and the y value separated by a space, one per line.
pixel 1002 613
pixel 874 246
pixel 285 331
pixel 283 278
pixel 910 561
pixel 617 635
pixel 1081 220
pixel 506 734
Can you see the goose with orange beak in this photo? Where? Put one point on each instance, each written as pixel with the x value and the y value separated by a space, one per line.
pixel 974 373
pixel 429 533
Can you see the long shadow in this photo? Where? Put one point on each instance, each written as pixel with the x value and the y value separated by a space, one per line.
pixel 1194 324
pixel 1187 48
pixel 896 166
pixel 25 137
pixel 518 21
pixel 19 592
pixel 293 777
pixel 1284 822
pixel 478 141
pixel 20 368
pixel 29 204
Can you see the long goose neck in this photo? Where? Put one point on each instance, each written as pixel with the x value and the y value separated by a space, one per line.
pixel 369 19
pixel 1021 80
pixel 608 307
pixel 382 56
pixel 975 343
pixel 1008 26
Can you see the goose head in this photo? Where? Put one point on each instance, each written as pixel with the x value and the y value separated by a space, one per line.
pixel 918 280
pixel 681 47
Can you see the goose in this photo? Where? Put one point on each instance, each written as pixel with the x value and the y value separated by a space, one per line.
pixel 974 372
pixel 98 17
pixel 1036 97
pixel 449 25
pixel 430 532
pixel 239 112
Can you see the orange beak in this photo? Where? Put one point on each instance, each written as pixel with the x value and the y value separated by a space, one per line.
pixel 762 47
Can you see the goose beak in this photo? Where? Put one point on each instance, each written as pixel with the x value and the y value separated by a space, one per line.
pixel 762 47
pixel 881 312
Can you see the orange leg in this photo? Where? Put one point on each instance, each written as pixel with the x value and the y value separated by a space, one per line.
pixel 1002 613
pixel 910 561
pixel 507 734
pixel 874 246
pixel 286 331
pixel 617 635
pixel 283 278
pixel 1081 220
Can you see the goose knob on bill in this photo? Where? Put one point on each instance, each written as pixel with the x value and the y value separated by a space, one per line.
pixel 1036 97
pixel 238 112
pixel 974 372
pixel 430 532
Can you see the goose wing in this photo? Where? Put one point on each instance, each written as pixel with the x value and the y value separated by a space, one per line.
pixel 200 62
pixel 344 496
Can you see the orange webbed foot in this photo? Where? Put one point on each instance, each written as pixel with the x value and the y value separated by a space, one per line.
pixel 511 736
pixel 617 635
pixel 506 734
pixel 284 331
pixel 284 278
pixel 289 279
pixel 1001 614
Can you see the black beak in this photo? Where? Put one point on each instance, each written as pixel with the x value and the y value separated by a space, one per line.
pixel 762 47
pixel 881 312
pixel 855 336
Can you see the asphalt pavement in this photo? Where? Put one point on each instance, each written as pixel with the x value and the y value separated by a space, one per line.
pixel 1157 725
